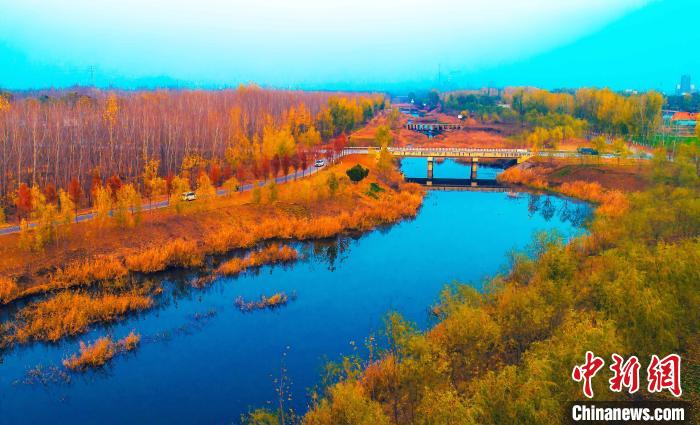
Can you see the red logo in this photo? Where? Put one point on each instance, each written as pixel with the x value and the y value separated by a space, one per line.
pixel 587 371
pixel 625 374
pixel 665 374
pixel 662 374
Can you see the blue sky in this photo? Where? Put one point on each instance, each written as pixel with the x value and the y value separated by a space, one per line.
pixel 348 44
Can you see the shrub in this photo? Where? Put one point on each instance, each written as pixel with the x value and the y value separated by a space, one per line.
pixel 357 173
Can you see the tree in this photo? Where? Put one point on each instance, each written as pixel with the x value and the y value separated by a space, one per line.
pixel 66 208
pixel 23 201
pixel 600 144
pixel 206 191
pixel 179 186
pixel 102 205
pixel 215 175
pixel 152 183
pixel 231 185
pixel 303 161
pixel 272 191
pixel 620 149
pixel 357 173
pixel 114 183
pixel 383 136
pixel 127 210
pixel 384 162
pixel 75 192
pixel 275 165
pixel 50 193
pixel 332 183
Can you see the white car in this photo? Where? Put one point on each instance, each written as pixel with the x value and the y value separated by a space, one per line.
pixel 319 163
pixel 188 196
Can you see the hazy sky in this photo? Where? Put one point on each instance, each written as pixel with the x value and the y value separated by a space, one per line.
pixel 358 44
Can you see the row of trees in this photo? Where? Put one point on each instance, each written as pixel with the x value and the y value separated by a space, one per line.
pixel 145 138
pixel 637 115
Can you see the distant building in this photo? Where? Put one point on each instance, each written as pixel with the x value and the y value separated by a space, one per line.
pixel 685 87
pixel 684 119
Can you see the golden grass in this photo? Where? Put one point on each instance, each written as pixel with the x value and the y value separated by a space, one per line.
pixel 610 202
pixel 100 352
pixel 86 272
pixel 270 255
pixel 91 355
pixel 180 253
pixel 8 289
pixel 72 313
pixel 129 342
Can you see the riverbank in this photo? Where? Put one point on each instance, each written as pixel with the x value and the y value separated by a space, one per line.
pixel 305 209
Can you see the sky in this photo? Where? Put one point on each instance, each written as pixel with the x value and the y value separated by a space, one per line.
pixel 348 44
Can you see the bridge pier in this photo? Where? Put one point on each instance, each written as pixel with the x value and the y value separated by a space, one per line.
pixel 430 171
pixel 475 167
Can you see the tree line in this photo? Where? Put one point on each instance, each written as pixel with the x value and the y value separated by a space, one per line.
pixel 79 141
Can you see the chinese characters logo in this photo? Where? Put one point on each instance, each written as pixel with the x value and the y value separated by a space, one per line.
pixel 662 374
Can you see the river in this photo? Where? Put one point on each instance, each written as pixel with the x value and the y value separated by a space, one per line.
pixel 202 361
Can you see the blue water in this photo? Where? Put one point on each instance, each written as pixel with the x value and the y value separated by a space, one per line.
pixel 212 369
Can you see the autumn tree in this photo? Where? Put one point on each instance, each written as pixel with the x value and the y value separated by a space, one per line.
pixel 127 210
pixel 332 183
pixel 206 191
pixel 383 136
pixel 50 193
pixel 102 205
pixel 23 202
pixel 75 192
pixel 179 186
pixel 153 184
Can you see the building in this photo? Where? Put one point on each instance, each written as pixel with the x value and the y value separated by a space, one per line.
pixel 685 87
pixel 683 123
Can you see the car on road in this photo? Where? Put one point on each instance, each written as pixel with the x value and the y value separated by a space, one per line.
pixel 319 163
pixel 188 196
pixel 587 151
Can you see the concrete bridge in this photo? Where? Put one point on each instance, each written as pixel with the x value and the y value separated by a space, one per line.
pixel 474 154
pixel 432 127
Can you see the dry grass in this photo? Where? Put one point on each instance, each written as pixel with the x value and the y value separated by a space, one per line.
pixel 270 255
pixel 610 202
pixel 79 273
pixel 71 314
pixel 91 355
pixel 177 253
pixel 8 289
pixel 276 300
pixel 129 342
pixel 100 352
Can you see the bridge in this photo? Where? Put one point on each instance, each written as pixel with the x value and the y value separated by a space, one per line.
pixel 432 127
pixel 474 154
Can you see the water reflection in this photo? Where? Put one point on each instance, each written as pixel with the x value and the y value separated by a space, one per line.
pixel 576 213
